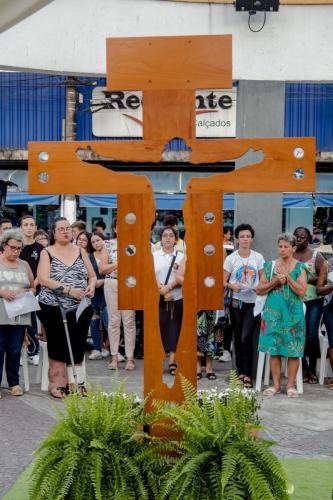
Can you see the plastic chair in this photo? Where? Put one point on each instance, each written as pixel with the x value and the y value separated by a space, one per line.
pixel 263 360
pixel 324 362
pixel 25 369
pixel 43 367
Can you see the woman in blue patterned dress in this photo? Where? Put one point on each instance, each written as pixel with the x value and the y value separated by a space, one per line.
pixel 283 324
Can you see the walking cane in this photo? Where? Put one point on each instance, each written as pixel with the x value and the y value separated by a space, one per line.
pixel 57 292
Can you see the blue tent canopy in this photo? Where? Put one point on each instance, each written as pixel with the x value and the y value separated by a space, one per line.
pixel 23 198
pixel 175 201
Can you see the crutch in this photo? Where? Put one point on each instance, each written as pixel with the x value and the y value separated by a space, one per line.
pixel 57 292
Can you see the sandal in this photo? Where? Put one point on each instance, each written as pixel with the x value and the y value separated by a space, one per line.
pixel 172 368
pixel 81 389
pixel 211 376
pixel 130 365
pixel 271 391
pixel 199 376
pixel 16 390
pixel 292 393
pixel 59 392
pixel 313 379
pixel 247 383
pixel 241 377
pixel 113 365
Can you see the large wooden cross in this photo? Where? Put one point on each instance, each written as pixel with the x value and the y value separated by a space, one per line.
pixel 168 70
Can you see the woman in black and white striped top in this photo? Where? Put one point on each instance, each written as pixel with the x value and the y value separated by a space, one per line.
pixel 64 265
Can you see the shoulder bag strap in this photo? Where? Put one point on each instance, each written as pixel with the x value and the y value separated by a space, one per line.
pixel 170 269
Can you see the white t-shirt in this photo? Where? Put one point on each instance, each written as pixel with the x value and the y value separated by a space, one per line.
pixel 245 272
pixel 162 263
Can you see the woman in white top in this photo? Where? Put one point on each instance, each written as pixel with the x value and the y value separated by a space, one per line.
pixel 166 262
pixel 108 266
pixel 242 271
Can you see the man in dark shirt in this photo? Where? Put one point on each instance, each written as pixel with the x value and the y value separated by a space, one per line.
pixel 31 253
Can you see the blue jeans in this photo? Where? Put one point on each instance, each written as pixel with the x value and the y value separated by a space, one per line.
pixel 328 322
pixel 11 340
pixel 314 309
pixel 102 314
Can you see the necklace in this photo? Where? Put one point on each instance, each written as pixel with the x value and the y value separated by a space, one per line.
pixel 245 264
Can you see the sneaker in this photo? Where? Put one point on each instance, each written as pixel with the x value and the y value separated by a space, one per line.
pixel 95 355
pixel 33 360
pixel 225 358
pixel 16 390
pixel 105 353
pixel 121 358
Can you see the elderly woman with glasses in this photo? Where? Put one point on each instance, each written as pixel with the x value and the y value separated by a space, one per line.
pixel 66 275
pixel 282 320
pixel 15 277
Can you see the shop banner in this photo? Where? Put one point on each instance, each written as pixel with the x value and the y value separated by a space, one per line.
pixel 119 114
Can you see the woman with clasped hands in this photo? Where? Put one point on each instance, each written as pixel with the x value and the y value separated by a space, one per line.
pixel 66 268
pixel 283 324
pixel 15 277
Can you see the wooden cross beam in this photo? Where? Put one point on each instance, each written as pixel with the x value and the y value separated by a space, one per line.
pixel 169 70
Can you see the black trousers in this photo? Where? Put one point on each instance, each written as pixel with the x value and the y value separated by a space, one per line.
pixel 51 319
pixel 171 317
pixel 246 335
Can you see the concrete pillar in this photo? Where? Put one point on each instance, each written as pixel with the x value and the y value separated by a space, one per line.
pixel 260 113
pixel 68 202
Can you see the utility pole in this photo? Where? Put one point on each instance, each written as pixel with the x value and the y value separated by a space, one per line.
pixel 68 202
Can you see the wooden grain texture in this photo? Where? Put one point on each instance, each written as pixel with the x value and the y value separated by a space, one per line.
pixel 168 70
pixel 276 173
pixel 69 175
pixel 131 298
pixel 169 63
pixel 168 114
pixel 210 233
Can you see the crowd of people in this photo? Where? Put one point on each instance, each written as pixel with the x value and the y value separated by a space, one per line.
pixel 74 275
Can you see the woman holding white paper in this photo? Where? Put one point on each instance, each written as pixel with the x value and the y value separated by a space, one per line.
pixel 15 277
pixel 66 269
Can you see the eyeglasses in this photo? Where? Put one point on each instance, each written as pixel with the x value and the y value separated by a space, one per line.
pixel 41 238
pixel 14 248
pixel 64 229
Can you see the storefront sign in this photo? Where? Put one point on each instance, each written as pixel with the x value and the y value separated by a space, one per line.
pixel 119 114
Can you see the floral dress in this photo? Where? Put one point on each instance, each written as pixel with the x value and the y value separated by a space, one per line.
pixel 282 330
pixel 210 334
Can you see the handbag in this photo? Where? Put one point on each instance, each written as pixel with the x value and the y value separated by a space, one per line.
pixel 261 299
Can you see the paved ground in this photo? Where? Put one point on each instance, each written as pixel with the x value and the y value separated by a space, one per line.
pixel 302 427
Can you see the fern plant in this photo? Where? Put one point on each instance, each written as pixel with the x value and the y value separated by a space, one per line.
pixel 98 450
pixel 218 456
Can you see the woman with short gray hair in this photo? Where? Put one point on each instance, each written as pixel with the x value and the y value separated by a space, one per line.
pixel 283 324
pixel 15 277
pixel 11 234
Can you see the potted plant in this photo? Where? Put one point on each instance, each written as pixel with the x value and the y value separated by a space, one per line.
pixel 217 456
pixel 97 450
